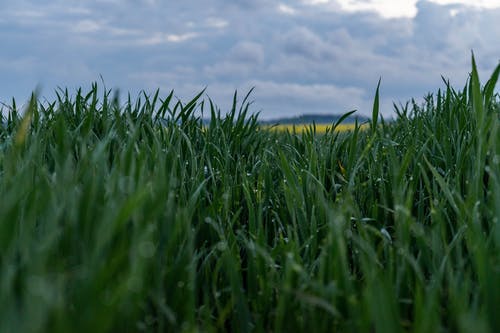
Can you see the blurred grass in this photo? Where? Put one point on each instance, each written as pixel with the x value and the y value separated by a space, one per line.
pixel 140 217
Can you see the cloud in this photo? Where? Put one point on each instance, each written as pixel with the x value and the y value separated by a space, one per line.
pixel 162 38
pixel 250 4
pixel 475 3
pixel 385 8
pixel 285 9
pixel 244 59
pixel 301 55
pixel 303 42
pixel 303 98
pixel 85 26
pixel 214 22
pixel 247 52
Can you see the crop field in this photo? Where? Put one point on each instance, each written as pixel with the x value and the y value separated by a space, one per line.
pixel 140 216
pixel 316 128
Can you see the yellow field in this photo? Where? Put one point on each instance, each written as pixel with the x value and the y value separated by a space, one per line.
pixel 320 128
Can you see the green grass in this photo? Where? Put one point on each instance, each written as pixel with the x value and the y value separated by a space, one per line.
pixel 140 217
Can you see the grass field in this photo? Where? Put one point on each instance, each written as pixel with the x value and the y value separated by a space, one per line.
pixel 115 220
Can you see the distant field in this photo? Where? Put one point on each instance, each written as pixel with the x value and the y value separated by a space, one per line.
pixel 319 128
pixel 142 217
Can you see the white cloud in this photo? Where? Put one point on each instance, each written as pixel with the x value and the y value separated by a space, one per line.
pixel 407 8
pixel 214 22
pixel 315 2
pixel 385 8
pixel 162 38
pixel 474 3
pixel 285 9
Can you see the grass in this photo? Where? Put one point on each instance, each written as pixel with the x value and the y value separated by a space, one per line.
pixel 115 219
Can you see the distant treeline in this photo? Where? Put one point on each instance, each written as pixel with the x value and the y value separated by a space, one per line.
pixel 316 118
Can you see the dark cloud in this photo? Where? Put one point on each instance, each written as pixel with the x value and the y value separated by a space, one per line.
pixel 303 42
pixel 247 52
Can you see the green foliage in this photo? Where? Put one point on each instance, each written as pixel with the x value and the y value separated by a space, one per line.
pixel 140 217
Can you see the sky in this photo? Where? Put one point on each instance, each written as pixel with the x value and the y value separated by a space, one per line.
pixel 301 56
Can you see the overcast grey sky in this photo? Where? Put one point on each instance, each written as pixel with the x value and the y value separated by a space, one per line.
pixel 302 56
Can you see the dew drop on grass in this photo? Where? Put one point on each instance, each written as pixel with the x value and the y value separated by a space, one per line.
pixel 386 234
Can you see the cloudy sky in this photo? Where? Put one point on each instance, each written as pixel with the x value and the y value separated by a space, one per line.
pixel 302 56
